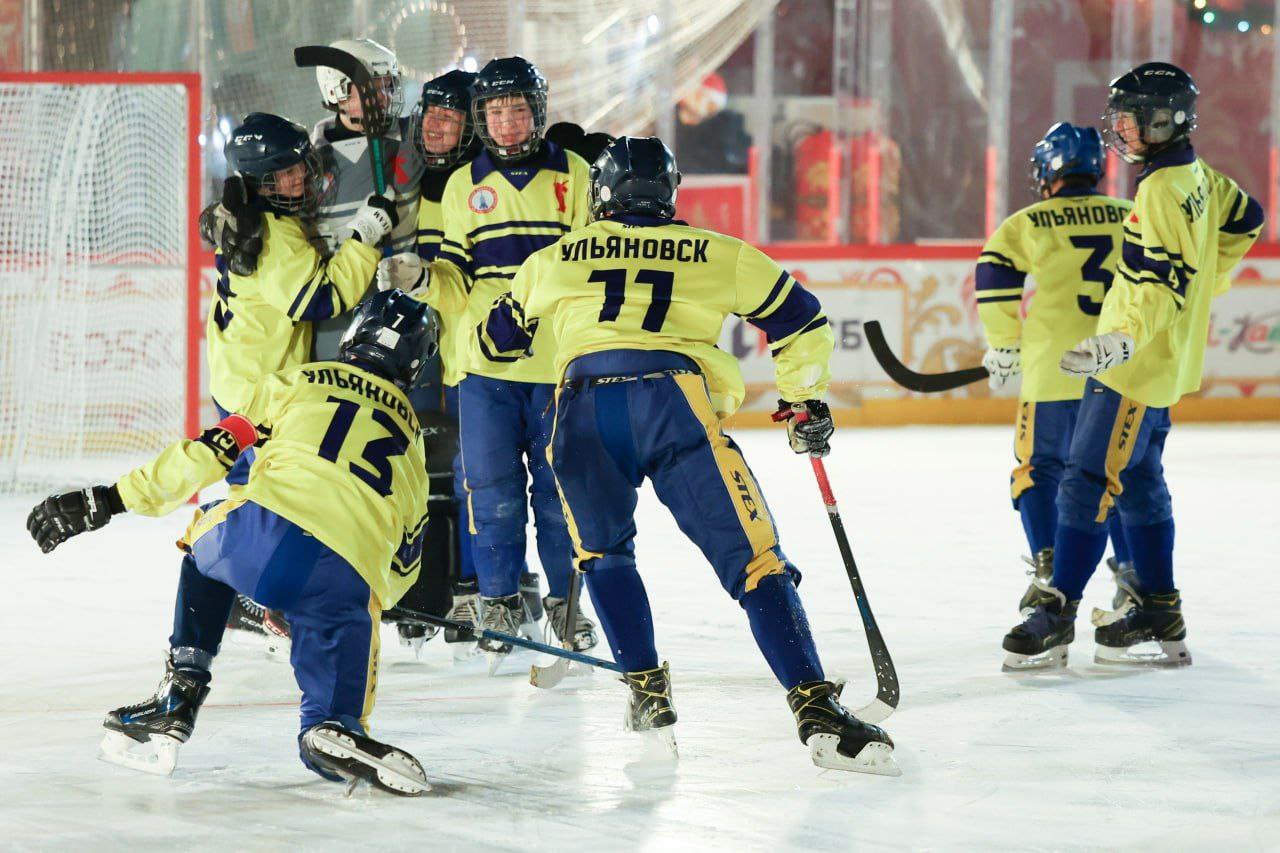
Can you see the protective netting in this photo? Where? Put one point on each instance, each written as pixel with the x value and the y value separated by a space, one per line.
pixel 612 64
pixel 93 279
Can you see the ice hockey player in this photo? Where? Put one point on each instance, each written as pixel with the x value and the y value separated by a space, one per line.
pixel 344 429
pixel 636 300
pixel 519 195
pixel 263 316
pixel 1068 242
pixel 1189 227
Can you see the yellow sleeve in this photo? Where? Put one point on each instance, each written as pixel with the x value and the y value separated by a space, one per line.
pixel 293 277
pixel 407 559
pixel 506 334
pixel 449 285
pixel 998 283
pixel 1151 278
pixel 1240 227
pixel 799 336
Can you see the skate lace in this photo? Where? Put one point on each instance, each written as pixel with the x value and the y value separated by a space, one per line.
pixel 557 620
pixel 501 618
pixel 466 610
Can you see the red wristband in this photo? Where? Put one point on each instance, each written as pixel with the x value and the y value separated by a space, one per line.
pixel 241 429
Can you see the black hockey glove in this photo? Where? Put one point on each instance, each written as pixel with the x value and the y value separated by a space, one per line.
pixel 809 426
pixel 234 226
pixel 60 517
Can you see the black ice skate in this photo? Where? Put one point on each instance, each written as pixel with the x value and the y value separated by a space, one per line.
pixel 649 710
pixel 1153 619
pixel 531 593
pixel 339 751
pixel 413 635
pixel 1041 570
pixel 252 618
pixel 1041 641
pixel 1128 590
pixel 146 736
pixel 584 634
pixel 466 608
pixel 838 740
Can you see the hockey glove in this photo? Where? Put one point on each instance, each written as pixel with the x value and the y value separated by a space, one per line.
pixel 235 227
pixel 1003 363
pixel 376 219
pixel 1097 354
pixel 404 271
pixel 60 517
pixel 809 426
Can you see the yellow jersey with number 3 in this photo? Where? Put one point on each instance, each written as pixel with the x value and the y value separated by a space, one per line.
pixel 340 455
pixel 1069 244
pixel 642 283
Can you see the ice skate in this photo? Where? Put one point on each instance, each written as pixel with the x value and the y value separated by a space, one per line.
pixel 146 736
pixel 336 750
pixel 466 608
pixel 1128 593
pixel 252 621
pixel 279 640
pixel 506 616
pixel 649 710
pixel 1041 641
pixel 1153 619
pixel 531 594
pixel 838 740
pixel 584 633
pixel 415 636
pixel 1041 570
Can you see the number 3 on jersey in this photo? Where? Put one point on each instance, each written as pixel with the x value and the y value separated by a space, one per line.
pixel 615 293
pixel 377 452
pixel 1099 246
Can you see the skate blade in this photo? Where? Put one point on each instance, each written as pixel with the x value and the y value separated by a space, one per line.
pixel 1055 658
pixel 158 755
pixel 546 677
pixel 415 645
pixel 874 758
pixel 1172 653
pixel 397 772
pixel 464 652
pixel 659 744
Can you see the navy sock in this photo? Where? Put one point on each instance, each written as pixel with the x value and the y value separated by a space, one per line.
pixel 201 610
pixel 1153 555
pixel 1039 511
pixel 623 608
pixel 1119 545
pixel 781 629
pixel 1076 554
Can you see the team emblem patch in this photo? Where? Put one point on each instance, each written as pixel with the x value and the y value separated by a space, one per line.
pixel 482 200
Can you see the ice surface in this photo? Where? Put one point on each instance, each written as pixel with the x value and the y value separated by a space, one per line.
pixel 1186 759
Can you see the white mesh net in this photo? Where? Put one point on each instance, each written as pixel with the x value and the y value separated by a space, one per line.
pixel 93 279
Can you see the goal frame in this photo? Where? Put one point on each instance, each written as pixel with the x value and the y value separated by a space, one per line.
pixel 191 82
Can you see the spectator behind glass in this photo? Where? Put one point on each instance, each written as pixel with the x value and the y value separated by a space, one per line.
pixel 709 138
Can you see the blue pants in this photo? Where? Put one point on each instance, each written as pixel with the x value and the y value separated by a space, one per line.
pixel 466 560
pixel 239 473
pixel 333 615
pixel 1115 460
pixel 505 426
pixel 1042 443
pixel 609 437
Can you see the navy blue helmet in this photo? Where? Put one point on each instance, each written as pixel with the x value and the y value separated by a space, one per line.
pixel 1064 151
pixel 1158 101
pixel 450 91
pixel 634 174
pixel 392 335
pixel 265 149
pixel 510 76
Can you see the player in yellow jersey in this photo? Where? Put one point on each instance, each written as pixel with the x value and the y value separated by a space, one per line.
pixel 344 429
pixel 264 313
pixel 1189 228
pixel 637 301
pixel 521 194
pixel 1068 242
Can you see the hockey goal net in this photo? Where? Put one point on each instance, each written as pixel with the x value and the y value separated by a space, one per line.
pixel 99 273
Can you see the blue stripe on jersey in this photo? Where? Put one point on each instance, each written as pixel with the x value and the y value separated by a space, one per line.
pixel 503 329
pixel 797 311
pixel 1004 259
pixel 297 302
pixel 1014 297
pixel 997 277
pixel 530 223
pixel 428 251
pixel 773 294
pixel 321 306
pixel 509 250
pixel 446 253
pixel 1252 220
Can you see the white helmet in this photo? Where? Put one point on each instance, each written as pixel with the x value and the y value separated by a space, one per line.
pixel 381 62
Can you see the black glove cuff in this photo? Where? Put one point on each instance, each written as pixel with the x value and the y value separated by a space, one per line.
pixel 115 503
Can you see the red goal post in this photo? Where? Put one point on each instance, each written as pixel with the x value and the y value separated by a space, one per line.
pixel 100 262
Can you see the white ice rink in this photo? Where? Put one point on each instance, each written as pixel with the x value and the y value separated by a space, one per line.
pixel 1093 758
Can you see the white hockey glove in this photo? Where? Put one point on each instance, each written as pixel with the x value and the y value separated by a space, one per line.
pixel 375 219
pixel 1097 354
pixel 405 271
pixel 1003 363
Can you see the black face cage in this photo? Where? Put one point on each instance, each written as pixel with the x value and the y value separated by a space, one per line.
pixel 446 159
pixel 537 101
pixel 1157 126
pixel 313 188
pixel 377 119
